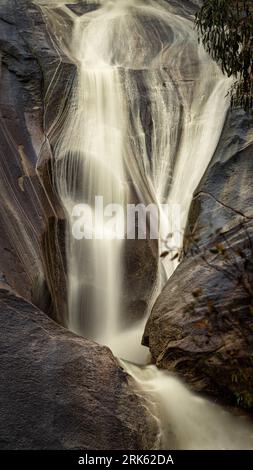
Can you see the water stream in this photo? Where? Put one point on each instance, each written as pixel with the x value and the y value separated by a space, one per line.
pixel 147 109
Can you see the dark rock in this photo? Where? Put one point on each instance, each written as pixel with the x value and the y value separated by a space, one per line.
pixel 80 8
pixel 140 276
pixel 28 239
pixel 60 391
pixel 202 325
pixel 224 198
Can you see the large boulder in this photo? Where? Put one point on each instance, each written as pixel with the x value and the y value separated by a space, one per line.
pixel 60 391
pixel 201 326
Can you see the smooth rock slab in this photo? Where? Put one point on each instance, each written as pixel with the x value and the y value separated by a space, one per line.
pixel 61 391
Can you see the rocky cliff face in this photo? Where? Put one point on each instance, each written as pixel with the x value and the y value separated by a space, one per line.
pixel 58 391
pixel 30 213
pixel 202 326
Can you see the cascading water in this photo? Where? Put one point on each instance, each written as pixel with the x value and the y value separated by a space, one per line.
pixel 148 107
pixel 188 422
pixel 92 166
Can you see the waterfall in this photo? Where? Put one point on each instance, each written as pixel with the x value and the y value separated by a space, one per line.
pixel 147 110
pixel 187 421
pixel 92 165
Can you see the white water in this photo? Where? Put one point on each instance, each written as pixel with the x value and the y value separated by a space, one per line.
pixel 188 422
pixel 138 58
pixel 93 161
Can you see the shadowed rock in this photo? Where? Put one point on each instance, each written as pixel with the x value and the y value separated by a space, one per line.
pixel 60 391
pixel 202 326
pixel 28 239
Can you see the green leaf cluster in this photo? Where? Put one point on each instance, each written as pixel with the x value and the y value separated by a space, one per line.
pixel 226 30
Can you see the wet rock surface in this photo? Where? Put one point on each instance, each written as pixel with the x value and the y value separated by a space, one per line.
pixel 29 201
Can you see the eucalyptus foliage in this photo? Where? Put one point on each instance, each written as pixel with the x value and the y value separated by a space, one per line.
pixel 226 30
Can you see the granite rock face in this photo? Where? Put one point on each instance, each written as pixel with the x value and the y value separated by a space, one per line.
pixel 202 325
pixel 30 212
pixel 60 391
